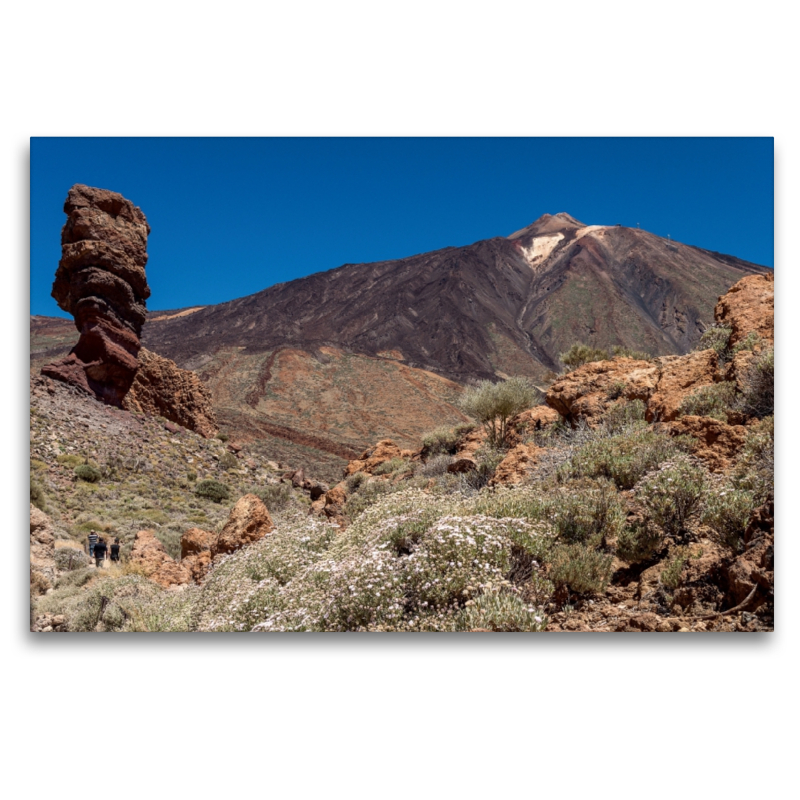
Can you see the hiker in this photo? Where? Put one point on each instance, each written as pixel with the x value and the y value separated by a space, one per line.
pixel 100 550
pixel 115 550
pixel 92 543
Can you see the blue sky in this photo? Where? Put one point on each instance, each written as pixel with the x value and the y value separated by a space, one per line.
pixel 230 217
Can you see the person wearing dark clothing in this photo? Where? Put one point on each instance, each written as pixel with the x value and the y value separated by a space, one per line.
pixel 115 550
pixel 100 551
pixel 92 543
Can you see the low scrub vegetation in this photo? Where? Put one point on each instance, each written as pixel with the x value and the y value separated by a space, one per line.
pixel 715 400
pixel 494 404
pixel 580 354
pixel 213 490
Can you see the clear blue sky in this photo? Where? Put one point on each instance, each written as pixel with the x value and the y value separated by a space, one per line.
pixel 230 217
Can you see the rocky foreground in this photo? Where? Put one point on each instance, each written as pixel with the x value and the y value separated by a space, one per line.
pixel 637 497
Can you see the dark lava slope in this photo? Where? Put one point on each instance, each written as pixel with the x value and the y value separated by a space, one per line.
pixel 499 306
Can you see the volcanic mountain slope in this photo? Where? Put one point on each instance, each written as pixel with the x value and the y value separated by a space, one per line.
pixel 503 305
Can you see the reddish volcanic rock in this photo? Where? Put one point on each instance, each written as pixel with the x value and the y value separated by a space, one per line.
pixel 680 376
pixel 373 457
pixel 747 307
pixel 101 281
pixel 514 467
pixel 149 553
pixel 248 522
pixel 162 387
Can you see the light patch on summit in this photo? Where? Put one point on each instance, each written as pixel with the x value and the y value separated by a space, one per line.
pixel 540 248
pixel 581 232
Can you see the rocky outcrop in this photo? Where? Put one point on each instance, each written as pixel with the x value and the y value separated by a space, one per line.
pixel 717 443
pixel 162 388
pixel 749 307
pixel 373 457
pixel 248 522
pixel 43 565
pixel 515 466
pixel 101 281
pixel 156 564
pixel 196 552
pixel 680 376
pixel 589 390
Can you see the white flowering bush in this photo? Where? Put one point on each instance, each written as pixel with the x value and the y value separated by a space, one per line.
pixel 589 512
pixel 500 611
pixel 672 493
pixel 412 561
pixel 727 511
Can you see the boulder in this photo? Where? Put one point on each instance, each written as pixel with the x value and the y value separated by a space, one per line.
pixel 196 552
pixel 101 281
pixel 162 388
pixel 157 565
pixel 42 554
pixel 248 522
pixel 373 457
pixel 749 307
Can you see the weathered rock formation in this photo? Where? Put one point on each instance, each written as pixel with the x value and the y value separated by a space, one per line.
pixel 248 522
pixel 196 552
pixel 157 565
pixel 162 388
pixel 101 281
pixel 749 306
pixel 375 456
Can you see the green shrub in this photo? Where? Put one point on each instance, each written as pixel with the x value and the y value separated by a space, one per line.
pixel 625 352
pixel 616 389
pixel 392 465
pixel 671 576
pixel 581 569
pixel 38 496
pixel 487 459
pixel 367 494
pixel 494 404
pixel 87 473
pixel 709 401
pixel 500 611
pixel 587 512
pixel 275 496
pixel 191 476
pixel 228 461
pixel 355 481
pixel 670 495
pixel 580 354
pixel 715 338
pixel 758 395
pixel 70 460
pixel 444 440
pixel 624 414
pixel 727 512
pixel 755 468
pixel 223 437
pixel 435 466
pixel 639 542
pixel 750 342
pixel 70 558
pixel 624 458
pixel 213 490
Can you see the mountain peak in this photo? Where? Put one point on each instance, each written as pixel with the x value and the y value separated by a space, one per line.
pixel 549 223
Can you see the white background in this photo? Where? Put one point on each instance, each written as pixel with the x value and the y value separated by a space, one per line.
pixel 569 716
